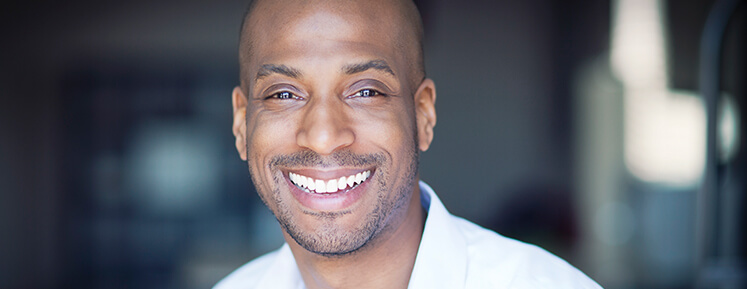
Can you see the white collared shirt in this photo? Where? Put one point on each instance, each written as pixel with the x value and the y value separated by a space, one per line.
pixel 453 253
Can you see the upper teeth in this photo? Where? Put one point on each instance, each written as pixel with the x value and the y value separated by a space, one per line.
pixel 330 186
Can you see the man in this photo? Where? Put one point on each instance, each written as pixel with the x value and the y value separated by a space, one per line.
pixel 331 114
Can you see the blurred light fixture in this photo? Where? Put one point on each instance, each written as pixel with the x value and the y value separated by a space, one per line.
pixel 664 134
pixel 173 167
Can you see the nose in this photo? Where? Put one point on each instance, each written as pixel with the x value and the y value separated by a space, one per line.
pixel 325 127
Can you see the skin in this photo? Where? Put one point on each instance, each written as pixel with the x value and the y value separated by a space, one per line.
pixel 327 90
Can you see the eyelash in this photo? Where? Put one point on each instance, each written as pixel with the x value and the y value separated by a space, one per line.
pixel 372 93
pixel 361 93
pixel 283 95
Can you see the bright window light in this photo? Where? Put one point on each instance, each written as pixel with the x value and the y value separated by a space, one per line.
pixel 664 130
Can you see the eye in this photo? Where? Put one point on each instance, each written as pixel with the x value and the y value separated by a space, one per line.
pixel 283 95
pixel 367 93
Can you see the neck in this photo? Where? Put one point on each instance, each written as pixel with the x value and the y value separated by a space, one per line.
pixel 386 262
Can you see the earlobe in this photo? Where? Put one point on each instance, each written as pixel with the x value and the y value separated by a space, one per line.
pixel 425 113
pixel 239 103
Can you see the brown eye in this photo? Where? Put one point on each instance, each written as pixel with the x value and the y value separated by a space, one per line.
pixel 282 95
pixel 367 93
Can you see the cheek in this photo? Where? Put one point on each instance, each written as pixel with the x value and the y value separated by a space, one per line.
pixel 267 136
pixel 267 132
pixel 389 130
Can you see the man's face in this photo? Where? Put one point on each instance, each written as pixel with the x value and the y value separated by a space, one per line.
pixel 331 129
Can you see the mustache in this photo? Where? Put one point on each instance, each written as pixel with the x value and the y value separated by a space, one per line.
pixel 342 158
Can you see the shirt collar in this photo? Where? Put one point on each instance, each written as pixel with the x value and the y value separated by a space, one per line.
pixel 442 256
pixel 283 272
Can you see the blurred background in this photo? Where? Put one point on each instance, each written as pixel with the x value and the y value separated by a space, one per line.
pixel 574 125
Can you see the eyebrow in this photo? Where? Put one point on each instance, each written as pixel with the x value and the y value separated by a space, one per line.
pixel 268 69
pixel 373 64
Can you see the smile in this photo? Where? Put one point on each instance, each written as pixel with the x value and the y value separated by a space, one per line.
pixel 318 186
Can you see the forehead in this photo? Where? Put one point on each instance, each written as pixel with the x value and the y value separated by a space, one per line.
pixel 309 31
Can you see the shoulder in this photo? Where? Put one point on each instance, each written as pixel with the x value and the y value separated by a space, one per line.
pixel 498 261
pixel 249 275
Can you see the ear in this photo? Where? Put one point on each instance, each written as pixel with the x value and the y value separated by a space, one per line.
pixel 425 113
pixel 239 102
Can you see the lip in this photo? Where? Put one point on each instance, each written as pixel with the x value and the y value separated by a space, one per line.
pixel 327 202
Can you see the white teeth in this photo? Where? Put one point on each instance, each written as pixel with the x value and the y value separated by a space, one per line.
pixel 351 181
pixel 341 183
pixel 321 187
pixel 311 184
pixel 303 182
pixel 331 186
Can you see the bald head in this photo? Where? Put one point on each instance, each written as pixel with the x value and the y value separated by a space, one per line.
pixel 396 23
